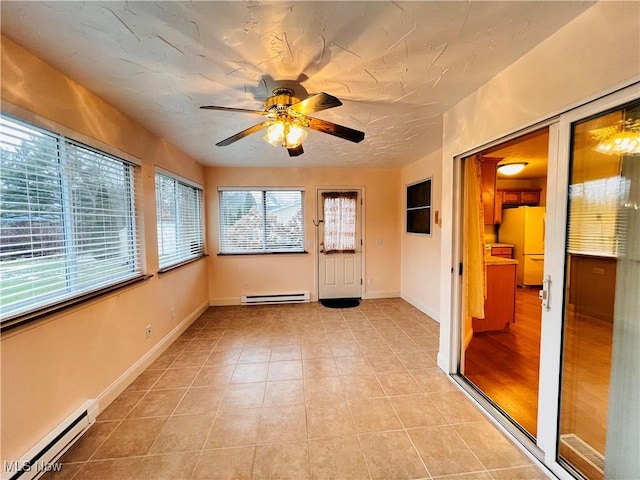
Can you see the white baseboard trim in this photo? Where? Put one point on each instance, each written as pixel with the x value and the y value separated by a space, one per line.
pixel 372 295
pixel 224 302
pixel 124 380
pixel 422 307
pixel 230 301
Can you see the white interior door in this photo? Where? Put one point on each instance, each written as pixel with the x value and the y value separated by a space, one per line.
pixel 340 244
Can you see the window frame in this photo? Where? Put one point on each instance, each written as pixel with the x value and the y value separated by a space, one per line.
pixel 180 182
pixel 75 292
pixel 264 191
pixel 427 205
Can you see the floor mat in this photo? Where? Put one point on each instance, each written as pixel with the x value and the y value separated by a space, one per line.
pixel 340 302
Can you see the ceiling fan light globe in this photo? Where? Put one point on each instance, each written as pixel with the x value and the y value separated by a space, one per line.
pixel 621 143
pixel 275 134
pixel 295 136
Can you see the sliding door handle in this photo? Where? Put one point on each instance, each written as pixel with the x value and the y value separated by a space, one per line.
pixel 544 294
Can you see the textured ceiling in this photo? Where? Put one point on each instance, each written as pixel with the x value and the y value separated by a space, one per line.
pixel 396 66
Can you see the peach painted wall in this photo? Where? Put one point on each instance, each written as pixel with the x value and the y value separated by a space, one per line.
pixel 420 258
pixel 595 53
pixel 50 367
pixel 293 272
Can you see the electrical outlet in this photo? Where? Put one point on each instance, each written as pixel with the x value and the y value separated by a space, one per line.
pixel 370 280
pixel 173 313
pixel 246 285
pixel 148 331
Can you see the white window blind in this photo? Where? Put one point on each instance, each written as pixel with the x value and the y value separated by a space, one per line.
pixel 597 220
pixel 261 221
pixel 67 218
pixel 179 214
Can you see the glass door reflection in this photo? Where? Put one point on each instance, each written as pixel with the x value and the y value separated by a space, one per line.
pixel 601 316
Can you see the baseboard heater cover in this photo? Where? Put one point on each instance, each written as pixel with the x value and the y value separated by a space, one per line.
pixel 42 457
pixel 301 297
pixel 585 451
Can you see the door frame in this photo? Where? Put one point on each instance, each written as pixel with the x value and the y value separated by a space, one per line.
pixel 341 188
pixel 457 330
pixel 545 447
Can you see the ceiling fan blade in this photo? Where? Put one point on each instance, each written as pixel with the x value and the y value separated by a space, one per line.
pixel 294 152
pixel 315 103
pixel 347 133
pixel 229 109
pixel 242 134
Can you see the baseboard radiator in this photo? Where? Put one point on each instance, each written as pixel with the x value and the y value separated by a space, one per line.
pixel 584 451
pixel 301 297
pixel 42 457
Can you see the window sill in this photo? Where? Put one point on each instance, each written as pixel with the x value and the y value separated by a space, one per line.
pixel 181 264
pixel 303 252
pixel 24 318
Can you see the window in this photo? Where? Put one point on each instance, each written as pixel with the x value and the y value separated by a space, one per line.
pixel 179 213
pixel 67 220
pixel 339 209
pixel 419 207
pixel 261 221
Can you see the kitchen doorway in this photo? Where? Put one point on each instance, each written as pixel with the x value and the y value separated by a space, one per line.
pixel 502 346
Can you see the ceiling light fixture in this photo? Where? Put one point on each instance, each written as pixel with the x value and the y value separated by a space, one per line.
pixel 620 139
pixel 285 133
pixel 512 168
pixel 288 119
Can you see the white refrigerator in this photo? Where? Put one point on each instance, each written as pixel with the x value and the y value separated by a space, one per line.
pixel 523 227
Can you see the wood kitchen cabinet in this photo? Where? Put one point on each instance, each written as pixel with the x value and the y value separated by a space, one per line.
pixel 514 198
pixel 519 197
pixel 592 288
pixel 502 251
pixel 500 304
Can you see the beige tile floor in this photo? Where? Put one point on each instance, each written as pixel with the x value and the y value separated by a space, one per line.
pixel 297 392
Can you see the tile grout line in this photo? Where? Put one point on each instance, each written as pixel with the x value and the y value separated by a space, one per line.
pixel 251 334
pixel 364 458
pixel 403 425
pixel 215 415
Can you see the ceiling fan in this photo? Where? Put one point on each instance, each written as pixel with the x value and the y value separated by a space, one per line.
pixel 287 119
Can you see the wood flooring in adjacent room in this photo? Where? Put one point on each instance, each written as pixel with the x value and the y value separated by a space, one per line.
pixel 300 392
pixel 505 365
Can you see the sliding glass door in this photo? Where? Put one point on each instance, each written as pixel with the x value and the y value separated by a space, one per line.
pixel 600 348
pixel 587 409
pixel 504 227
